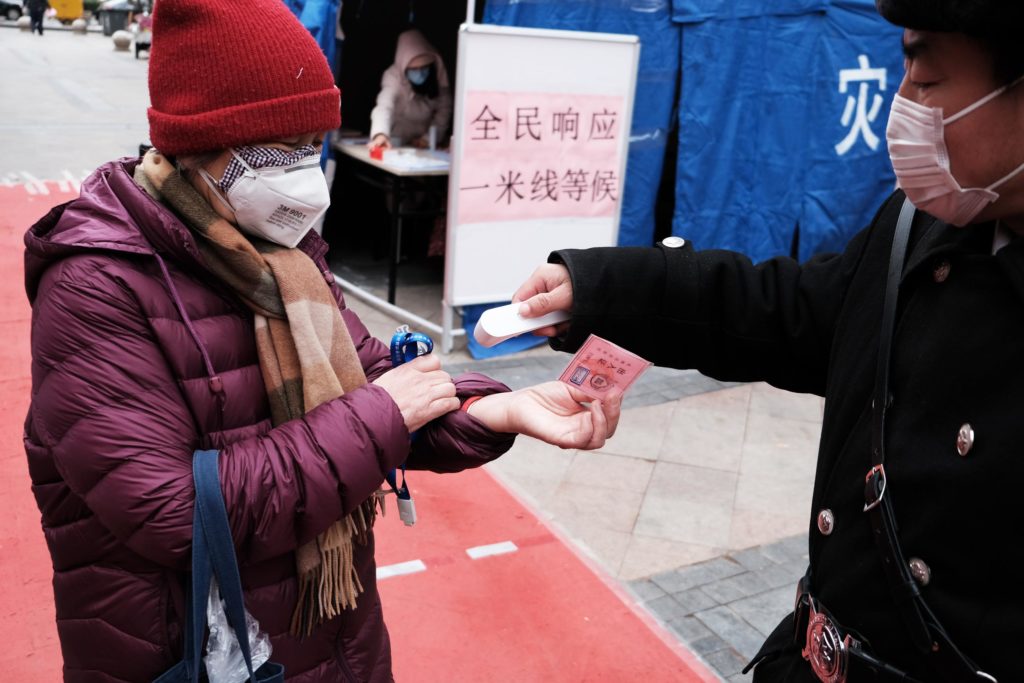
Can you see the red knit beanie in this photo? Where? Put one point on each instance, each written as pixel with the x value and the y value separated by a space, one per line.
pixel 225 73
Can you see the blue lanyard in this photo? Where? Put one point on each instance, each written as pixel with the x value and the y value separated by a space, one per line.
pixel 406 346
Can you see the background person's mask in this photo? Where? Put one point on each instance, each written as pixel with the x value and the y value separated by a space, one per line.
pixel 279 203
pixel 418 76
pixel 917 148
pixel 423 80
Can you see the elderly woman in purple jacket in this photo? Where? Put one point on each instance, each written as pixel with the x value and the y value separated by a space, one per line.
pixel 182 302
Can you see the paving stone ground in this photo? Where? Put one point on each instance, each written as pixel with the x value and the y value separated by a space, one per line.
pixel 723 609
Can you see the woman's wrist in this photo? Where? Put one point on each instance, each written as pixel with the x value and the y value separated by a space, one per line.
pixel 494 410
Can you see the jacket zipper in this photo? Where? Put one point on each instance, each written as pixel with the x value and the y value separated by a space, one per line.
pixel 339 656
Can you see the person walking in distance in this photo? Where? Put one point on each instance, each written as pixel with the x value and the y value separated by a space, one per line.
pixel 36 12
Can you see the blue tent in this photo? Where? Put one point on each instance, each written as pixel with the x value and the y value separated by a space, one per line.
pixel 781 108
pixel 321 18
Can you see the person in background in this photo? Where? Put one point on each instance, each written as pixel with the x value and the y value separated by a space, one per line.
pixel 36 12
pixel 415 95
pixel 183 301
pixel 916 517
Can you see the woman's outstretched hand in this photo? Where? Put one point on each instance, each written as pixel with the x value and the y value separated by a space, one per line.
pixel 553 412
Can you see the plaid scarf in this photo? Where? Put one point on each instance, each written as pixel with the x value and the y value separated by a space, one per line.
pixel 306 357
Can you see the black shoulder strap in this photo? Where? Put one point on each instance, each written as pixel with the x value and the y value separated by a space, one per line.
pixel 926 632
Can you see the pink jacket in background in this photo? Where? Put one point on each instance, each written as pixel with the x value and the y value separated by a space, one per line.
pixel 400 113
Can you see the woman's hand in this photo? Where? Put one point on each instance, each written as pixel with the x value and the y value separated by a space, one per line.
pixel 553 412
pixel 421 390
pixel 380 140
pixel 549 289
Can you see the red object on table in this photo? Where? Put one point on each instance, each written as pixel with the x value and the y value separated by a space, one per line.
pixel 377 152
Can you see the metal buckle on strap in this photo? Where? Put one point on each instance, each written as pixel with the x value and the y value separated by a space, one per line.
pixel 874 487
pixel 827 651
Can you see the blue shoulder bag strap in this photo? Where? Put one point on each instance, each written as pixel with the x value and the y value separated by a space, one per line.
pixel 219 546
pixel 213 554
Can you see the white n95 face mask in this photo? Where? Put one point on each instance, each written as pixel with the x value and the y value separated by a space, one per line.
pixel 917 148
pixel 279 203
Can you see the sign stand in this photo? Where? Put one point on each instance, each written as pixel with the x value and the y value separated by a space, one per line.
pixel 539 146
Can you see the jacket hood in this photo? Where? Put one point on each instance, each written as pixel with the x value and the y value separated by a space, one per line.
pixel 412 44
pixel 112 213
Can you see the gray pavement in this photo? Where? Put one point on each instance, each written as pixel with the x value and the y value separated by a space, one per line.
pixel 698 505
pixel 68 103
pixel 724 608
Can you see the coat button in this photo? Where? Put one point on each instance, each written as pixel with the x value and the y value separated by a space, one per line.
pixel 921 572
pixel 826 522
pixel 673 242
pixel 941 271
pixel 965 440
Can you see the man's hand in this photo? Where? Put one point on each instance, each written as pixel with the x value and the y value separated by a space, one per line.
pixel 548 289
pixel 421 390
pixel 553 412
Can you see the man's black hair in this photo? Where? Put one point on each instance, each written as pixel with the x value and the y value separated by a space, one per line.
pixel 995 24
pixel 1008 58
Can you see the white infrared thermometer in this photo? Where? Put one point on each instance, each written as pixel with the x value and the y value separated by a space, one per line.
pixel 498 324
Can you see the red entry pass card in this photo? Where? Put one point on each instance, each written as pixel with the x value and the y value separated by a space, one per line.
pixel 601 369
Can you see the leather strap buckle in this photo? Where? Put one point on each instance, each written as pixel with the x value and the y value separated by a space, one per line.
pixel 825 648
pixel 874 487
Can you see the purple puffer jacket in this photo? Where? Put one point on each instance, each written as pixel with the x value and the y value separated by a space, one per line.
pixel 139 356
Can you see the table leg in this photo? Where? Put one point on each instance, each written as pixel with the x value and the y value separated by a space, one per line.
pixel 395 238
pixel 447 325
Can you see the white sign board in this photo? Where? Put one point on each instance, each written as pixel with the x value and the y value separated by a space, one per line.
pixel 541 135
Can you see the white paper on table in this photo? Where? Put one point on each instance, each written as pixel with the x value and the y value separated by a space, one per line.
pixel 416 160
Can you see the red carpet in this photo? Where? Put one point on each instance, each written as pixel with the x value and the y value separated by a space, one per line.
pixel 26 599
pixel 535 613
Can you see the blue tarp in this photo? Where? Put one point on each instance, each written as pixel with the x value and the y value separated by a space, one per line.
pixel 658 77
pixel 321 18
pixel 470 317
pixel 760 114
pixel 769 140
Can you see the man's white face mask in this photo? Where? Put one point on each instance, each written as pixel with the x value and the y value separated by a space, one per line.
pixel 275 195
pixel 917 148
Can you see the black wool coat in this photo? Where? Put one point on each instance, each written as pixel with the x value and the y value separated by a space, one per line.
pixel 957 360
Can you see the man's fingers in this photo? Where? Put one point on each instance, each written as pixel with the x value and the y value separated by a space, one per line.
pixel 537 305
pixel 527 290
pixel 550 331
pixel 537 282
pixel 547 290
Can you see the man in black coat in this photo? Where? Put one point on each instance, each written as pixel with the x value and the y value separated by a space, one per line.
pixel 36 12
pixel 915 532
